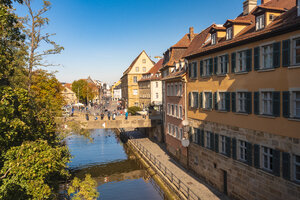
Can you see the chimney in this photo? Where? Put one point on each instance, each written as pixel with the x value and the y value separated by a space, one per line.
pixel 249 5
pixel 264 1
pixel 192 35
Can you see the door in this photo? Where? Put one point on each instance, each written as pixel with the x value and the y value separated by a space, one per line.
pixel 224 182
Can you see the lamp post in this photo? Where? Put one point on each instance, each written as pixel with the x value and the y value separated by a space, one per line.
pixel 185 141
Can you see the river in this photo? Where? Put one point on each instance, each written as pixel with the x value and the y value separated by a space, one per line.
pixel 118 174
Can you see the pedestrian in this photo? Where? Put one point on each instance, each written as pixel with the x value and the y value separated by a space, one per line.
pixel 102 116
pixel 108 115
pixel 126 115
pixel 114 116
pixel 87 116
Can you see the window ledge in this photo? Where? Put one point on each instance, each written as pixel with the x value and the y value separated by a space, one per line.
pixel 241 113
pixel 294 119
pixel 266 70
pixel 294 66
pixel 222 111
pixel 239 73
pixel 267 116
pixel 206 109
pixel 221 75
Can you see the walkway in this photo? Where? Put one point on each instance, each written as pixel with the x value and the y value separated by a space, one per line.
pixel 200 189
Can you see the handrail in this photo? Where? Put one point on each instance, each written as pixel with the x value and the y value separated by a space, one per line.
pixel 186 191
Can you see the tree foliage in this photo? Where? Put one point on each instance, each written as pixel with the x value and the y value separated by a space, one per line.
pixel 86 189
pixel 134 109
pixel 84 91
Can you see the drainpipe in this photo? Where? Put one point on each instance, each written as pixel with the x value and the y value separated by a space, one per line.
pixel 185 117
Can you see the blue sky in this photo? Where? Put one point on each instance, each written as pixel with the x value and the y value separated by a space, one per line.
pixel 102 37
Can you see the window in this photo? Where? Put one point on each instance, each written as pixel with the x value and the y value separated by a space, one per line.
pixel 222 102
pixel 241 61
pixel 267 158
pixel 176 110
pixel 223 144
pixel 144 69
pixel 137 69
pixel 135 92
pixel 156 84
pixel 172 108
pixel 297 168
pixel 144 60
pixel 135 79
pixel 181 134
pixel 193 70
pixel 242 98
pixel 213 38
pixel 207 67
pixel 176 90
pixel 267 56
pixel 208 136
pixel 260 22
pixel 156 95
pixel 177 132
pixel 169 128
pixel 242 150
pixel 296 102
pixel 195 100
pixel 171 90
pixel 173 130
pixel 169 109
pixel 267 103
pixel 168 90
pixel 180 89
pixel 222 67
pixel 296 51
pixel 207 100
pixel 136 104
pixel 180 112
pixel 229 33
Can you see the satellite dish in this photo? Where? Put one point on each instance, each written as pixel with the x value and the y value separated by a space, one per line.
pixel 185 142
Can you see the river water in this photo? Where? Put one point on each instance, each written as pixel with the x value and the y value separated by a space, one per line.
pixel 118 174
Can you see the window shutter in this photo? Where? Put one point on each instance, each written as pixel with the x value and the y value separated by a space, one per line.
pixel 216 142
pixel 226 63
pixel 286 166
pixel 233 148
pixel 215 65
pixel 201 68
pixel 195 70
pixel 256 103
pixel 190 70
pixel 276 104
pixel 249 103
pixel 228 152
pixel 233 62
pixel 202 138
pixel 249 60
pixel 197 100
pixel 215 101
pixel 286 53
pixel 249 153
pixel 256 156
pixel 286 104
pixel 276 54
pixel 276 162
pixel 212 141
pixel 211 100
pixel 190 99
pixel 211 66
pixel 256 58
pixel 198 136
pixel 200 100
pixel 227 101
pixel 233 102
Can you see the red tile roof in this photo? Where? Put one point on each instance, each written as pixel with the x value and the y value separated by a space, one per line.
pixel 134 61
pixel 154 71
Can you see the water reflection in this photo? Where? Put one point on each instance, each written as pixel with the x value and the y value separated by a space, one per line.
pixel 112 165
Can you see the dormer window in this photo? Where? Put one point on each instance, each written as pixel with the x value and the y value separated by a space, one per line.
pixel 260 22
pixel 229 33
pixel 213 38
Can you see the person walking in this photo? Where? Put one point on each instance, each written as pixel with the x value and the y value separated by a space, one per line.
pixel 108 115
pixel 102 116
pixel 114 116
pixel 126 115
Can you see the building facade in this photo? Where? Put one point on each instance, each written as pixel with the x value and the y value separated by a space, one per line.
pixel 129 80
pixel 244 103
pixel 68 94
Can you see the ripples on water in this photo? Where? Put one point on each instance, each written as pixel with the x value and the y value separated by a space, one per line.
pixel 118 175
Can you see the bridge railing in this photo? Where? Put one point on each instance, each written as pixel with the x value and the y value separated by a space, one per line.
pixel 182 187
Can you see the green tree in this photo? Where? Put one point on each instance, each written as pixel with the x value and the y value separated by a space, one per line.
pixel 85 90
pixel 31 170
pixel 83 190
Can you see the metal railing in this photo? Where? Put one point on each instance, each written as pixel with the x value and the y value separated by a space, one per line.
pixel 183 188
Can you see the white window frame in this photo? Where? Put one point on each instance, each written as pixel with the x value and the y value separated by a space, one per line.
pixel 241 101
pixel 294 104
pixel 135 92
pixel 241 61
pixel 294 50
pixel 180 112
pixel 266 158
pixel 207 139
pixel 176 89
pixel 223 144
pixel 135 79
pixel 168 89
pixel 295 164
pixel 205 100
pixel 222 65
pixel 267 53
pixel 180 89
pixel 221 100
pixel 266 109
pixel 229 33
pixel 172 110
pixel 176 111
pixel 169 109
pixel 260 22
pixel 169 128
pixel 214 38
pixel 137 69
pixel 242 150
pixel 206 67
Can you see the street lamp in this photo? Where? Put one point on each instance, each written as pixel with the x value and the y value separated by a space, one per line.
pixel 185 141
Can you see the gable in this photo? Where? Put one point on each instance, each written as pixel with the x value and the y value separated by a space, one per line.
pixel 142 64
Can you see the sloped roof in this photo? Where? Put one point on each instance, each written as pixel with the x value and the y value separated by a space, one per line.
pixel 287 20
pixel 68 85
pixel 135 60
pixel 185 41
pixel 153 71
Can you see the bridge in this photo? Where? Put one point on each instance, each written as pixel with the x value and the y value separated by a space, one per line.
pixel 119 122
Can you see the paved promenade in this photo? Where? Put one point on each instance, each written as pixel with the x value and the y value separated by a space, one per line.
pixel 203 191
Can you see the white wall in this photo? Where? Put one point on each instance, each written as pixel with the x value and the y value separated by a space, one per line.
pixel 154 90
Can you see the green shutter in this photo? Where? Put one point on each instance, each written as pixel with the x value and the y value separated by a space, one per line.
pixel 276 104
pixel 198 136
pixel 286 104
pixel 202 138
pixel 233 148
pixel 233 62
pixel 249 102
pixel 249 153
pixel 276 162
pixel 197 100
pixel 215 101
pixel 286 166
pixel 286 53
pixel 256 103
pixel 228 146
pixel 215 65
pixel 216 142
pixel 210 66
pixel 211 100
pixel 276 54
pixel 195 70
pixel 200 100
pixel 226 63
pixel 256 58
pixel 256 156
pixel 212 141
pixel 190 70
pixel 201 68
pixel 249 60
pixel 233 102
pixel 190 99
pixel 227 101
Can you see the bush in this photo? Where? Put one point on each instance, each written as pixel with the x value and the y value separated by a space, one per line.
pixel 133 110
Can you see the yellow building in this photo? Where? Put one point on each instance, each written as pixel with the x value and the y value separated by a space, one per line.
pixel 114 95
pixel 129 81
pixel 69 96
pixel 244 103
